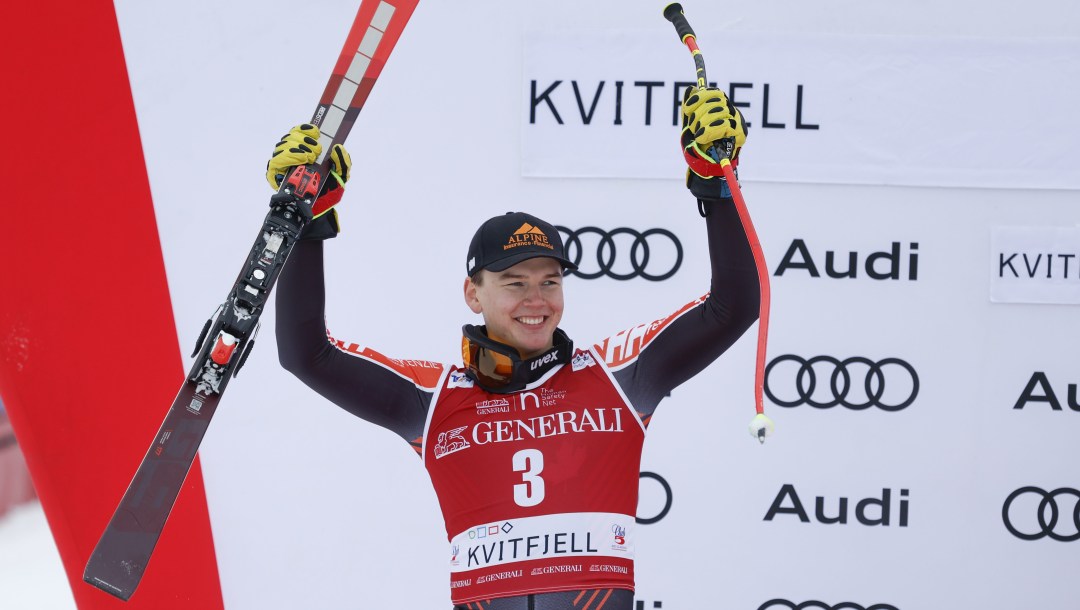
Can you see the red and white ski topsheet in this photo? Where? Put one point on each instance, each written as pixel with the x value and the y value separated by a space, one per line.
pixel 374 32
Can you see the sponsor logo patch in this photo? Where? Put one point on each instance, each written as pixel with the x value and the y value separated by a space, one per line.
pixel 582 360
pixel 458 379
pixel 451 442
pixel 528 235
pixel 496 405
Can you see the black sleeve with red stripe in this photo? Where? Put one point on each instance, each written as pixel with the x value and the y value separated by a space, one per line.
pixel 693 341
pixel 361 387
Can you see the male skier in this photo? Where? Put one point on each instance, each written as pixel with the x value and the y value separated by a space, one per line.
pixel 533 444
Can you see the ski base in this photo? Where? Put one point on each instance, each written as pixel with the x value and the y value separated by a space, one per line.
pixel 120 557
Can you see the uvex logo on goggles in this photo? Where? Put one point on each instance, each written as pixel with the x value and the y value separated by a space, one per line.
pixel 528 235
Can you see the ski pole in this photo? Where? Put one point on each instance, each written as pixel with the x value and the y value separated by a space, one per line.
pixel 761 425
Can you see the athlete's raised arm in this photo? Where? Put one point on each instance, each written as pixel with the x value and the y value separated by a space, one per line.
pixel 390 393
pixel 649 361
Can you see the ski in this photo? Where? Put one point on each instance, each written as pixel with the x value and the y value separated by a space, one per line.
pixel 120 558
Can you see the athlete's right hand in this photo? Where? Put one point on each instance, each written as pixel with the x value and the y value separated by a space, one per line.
pixel 300 147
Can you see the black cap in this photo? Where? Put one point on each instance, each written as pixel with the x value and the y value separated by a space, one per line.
pixel 504 241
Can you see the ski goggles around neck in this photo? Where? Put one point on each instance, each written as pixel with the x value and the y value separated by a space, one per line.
pixel 497 367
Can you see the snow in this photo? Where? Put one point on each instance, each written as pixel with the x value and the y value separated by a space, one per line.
pixel 31 575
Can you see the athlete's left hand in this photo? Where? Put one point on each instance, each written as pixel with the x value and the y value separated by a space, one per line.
pixel 708 117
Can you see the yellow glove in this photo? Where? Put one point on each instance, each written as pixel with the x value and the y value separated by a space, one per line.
pixel 709 116
pixel 300 147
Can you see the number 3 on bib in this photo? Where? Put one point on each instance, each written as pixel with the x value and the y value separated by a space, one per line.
pixel 529 462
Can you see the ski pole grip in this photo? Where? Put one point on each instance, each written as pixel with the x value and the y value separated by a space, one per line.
pixel 673 13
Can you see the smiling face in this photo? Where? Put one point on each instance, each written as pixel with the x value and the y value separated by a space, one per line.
pixel 521 305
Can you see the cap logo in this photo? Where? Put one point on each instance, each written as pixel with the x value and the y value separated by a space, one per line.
pixel 528 235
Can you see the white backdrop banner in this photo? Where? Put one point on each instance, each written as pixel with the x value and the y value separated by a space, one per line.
pixel 911 411
pixel 838 109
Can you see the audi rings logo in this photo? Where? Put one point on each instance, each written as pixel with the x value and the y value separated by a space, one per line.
pixel 777 604
pixel 623 253
pixel 1043 513
pixel 648 498
pixel 858 383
